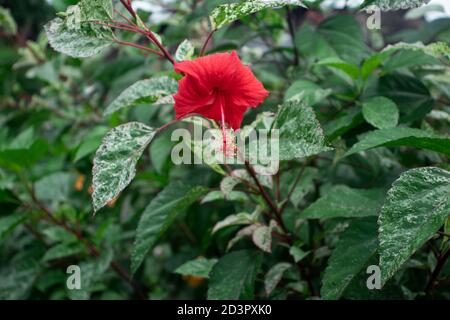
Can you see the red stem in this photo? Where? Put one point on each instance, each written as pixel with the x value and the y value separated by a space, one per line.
pixel 131 44
pixel 125 18
pixel 205 45
pixel 148 33
pixel 127 4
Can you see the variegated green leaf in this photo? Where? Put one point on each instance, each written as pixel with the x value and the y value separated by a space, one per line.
pixel 143 91
pixel 416 207
pixel 185 51
pixel 200 267
pixel 79 32
pixel 300 133
pixel 387 5
pixel 115 160
pixel 228 13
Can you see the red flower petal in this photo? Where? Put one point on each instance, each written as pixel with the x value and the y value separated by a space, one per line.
pixel 216 85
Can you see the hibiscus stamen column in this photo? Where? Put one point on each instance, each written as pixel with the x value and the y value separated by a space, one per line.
pixel 224 129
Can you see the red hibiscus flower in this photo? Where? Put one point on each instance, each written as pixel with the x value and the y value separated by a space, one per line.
pixel 218 87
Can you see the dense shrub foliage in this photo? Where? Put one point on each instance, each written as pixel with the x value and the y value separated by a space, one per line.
pixel 359 208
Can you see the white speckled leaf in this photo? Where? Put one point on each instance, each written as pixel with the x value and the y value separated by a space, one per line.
pixel 439 50
pixel 238 176
pixel 343 201
pixel 394 137
pixel 274 275
pixel 215 195
pixel 185 51
pixel 300 133
pixel 416 207
pixel 159 215
pixel 387 5
pixel 228 13
pixel 200 267
pixel 355 248
pixel 144 91
pixel 262 238
pixel 73 43
pixel 233 276
pixel 77 33
pixel 233 220
pixel 381 112
pixel 115 160
pixel 241 234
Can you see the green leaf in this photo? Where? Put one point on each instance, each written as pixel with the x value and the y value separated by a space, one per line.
pixel 200 267
pixel 342 201
pixel 17 279
pixel 370 65
pixel 406 58
pixel 411 96
pixel 337 63
pixel 381 112
pixel 55 187
pixel 343 122
pixel 300 133
pixel 144 91
pixel 355 248
pixel 18 159
pixel 160 151
pixel 159 215
pixel 185 51
pixel 92 272
pixel 228 13
pixel 395 137
pixel 63 250
pixel 274 275
pixel 357 289
pixel 9 223
pixel 298 254
pixel 307 92
pixel 116 159
pixel 343 34
pixel 305 186
pixel 416 207
pixel 313 45
pixel 7 22
pixel 77 32
pixel 234 275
